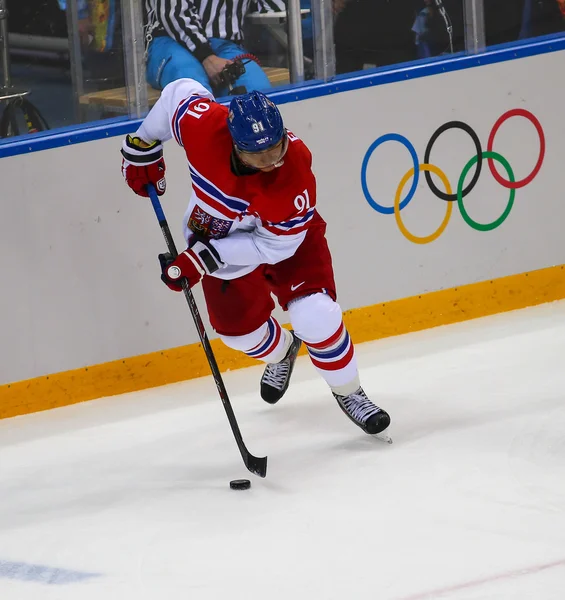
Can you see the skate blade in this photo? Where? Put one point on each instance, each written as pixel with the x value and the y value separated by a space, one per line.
pixel 383 437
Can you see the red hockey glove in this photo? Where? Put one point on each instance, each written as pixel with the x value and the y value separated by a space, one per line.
pixel 199 259
pixel 143 165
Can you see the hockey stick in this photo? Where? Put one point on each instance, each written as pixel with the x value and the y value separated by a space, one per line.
pixel 253 463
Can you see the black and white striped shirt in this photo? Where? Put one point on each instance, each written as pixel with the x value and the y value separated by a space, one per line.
pixel 192 22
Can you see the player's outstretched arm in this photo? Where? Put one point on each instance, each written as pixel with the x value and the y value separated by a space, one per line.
pixel 256 247
pixel 142 152
pixel 157 125
pixel 270 242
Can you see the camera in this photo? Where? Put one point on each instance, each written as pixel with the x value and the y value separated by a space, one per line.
pixel 229 75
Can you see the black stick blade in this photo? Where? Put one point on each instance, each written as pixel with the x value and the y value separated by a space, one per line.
pixel 257 466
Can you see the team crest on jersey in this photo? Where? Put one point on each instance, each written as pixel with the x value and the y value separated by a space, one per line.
pixel 204 224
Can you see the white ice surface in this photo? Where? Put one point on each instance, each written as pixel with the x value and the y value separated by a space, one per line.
pixel 468 503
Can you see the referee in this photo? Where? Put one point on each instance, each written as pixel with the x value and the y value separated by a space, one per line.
pixel 197 38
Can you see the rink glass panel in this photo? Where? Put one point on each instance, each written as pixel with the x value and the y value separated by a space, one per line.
pixel 60 52
pixel 82 61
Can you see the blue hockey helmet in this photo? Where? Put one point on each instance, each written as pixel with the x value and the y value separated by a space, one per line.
pixel 255 122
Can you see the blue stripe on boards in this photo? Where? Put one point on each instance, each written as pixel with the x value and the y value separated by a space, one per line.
pixel 312 89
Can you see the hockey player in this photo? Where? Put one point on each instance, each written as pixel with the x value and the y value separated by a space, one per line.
pixel 252 228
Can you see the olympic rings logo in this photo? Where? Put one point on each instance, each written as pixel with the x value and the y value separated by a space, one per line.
pixel 461 192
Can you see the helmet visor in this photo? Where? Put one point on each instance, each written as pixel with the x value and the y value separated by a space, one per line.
pixel 265 159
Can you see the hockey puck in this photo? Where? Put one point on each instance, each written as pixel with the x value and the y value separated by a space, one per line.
pixel 240 484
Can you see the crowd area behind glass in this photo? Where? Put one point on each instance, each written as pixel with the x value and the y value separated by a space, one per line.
pixel 72 62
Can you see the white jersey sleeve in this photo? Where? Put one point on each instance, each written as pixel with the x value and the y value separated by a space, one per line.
pixel 257 247
pixel 243 243
pixel 157 125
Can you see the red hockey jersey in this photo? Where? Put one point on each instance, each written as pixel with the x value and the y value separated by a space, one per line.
pixel 251 219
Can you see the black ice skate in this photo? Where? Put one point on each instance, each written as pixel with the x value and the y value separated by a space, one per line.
pixel 364 413
pixel 276 376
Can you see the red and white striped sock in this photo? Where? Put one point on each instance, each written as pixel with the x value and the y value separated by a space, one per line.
pixel 268 343
pixel 334 358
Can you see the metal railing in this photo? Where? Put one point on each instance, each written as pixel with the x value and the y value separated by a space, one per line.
pixel 7 91
pixel 475 39
pixel 132 18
